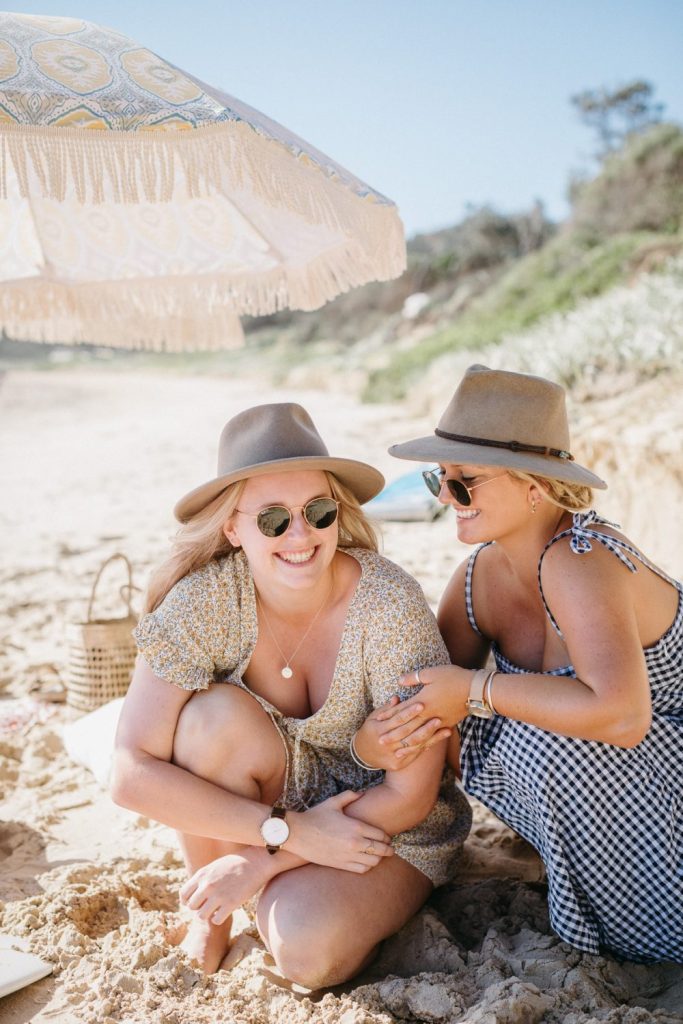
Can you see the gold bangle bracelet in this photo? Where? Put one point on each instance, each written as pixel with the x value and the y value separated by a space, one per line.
pixel 487 690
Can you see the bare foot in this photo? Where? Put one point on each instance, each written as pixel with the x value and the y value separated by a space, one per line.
pixel 207 943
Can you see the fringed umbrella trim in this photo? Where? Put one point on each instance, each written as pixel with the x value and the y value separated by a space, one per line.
pixel 147 166
pixel 173 313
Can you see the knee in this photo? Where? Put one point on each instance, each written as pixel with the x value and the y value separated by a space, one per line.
pixel 211 724
pixel 313 960
pixel 309 952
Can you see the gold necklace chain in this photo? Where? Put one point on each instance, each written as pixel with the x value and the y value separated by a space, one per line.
pixel 286 672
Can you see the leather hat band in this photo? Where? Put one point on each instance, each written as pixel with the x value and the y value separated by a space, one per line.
pixel 513 446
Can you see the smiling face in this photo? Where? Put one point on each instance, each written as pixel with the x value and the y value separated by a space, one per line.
pixel 301 557
pixel 499 503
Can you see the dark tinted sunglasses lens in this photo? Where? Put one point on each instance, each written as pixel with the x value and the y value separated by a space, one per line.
pixel 273 521
pixel 433 481
pixel 459 492
pixel 321 513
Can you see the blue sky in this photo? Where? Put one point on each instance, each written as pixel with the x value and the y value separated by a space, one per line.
pixel 436 103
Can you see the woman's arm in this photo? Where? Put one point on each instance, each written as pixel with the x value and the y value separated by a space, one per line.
pixel 406 796
pixel 402 632
pixel 381 750
pixel 403 800
pixel 145 780
pixel 592 600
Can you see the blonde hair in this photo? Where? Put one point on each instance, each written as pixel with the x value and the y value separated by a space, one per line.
pixel 201 539
pixel 572 497
pixel 355 529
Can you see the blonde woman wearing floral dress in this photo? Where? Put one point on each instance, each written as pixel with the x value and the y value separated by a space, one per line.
pixel 271 634
pixel 575 736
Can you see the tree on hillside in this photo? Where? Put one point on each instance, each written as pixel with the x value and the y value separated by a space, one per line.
pixel 617 114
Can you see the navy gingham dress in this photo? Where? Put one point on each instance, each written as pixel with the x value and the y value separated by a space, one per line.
pixel 607 821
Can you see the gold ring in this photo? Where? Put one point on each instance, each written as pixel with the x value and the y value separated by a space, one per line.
pixel 404 743
pixel 369 849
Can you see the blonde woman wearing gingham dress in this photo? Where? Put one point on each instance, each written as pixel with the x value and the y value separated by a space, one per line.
pixel 606 820
pixel 576 738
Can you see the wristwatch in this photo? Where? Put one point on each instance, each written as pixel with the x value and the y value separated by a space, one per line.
pixel 476 703
pixel 275 830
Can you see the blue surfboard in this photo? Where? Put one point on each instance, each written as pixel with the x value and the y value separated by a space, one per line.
pixel 405 499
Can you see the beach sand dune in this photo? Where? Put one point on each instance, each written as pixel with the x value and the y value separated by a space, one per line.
pixel 92 462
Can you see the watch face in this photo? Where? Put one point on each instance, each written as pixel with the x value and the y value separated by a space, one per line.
pixel 275 831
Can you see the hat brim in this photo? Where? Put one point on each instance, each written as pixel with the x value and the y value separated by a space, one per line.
pixel 440 449
pixel 362 480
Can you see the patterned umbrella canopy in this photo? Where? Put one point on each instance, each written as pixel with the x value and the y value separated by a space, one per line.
pixel 140 207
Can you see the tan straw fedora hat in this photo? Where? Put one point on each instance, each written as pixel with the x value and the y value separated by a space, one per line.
pixel 498 418
pixel 272 439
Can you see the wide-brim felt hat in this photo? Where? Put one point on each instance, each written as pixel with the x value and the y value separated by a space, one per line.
pixel 276 438
pixel 500 418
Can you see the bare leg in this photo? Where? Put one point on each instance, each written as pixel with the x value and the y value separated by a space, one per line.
pixel 224 736
pixel 322 925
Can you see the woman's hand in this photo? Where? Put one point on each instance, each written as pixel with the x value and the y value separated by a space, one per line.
pixel 222 886
pixel 371 741
pixel 325 835
pixel 424 719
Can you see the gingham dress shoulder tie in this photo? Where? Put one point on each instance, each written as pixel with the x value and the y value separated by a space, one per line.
pixel 581 534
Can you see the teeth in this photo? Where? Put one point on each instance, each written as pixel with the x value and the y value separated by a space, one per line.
pixel 470 514
pixel 297 556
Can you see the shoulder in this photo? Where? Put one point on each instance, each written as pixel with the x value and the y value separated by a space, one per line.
pixel 220 581
pixel 218 572
pixel 574 561
pixel 588 539
pixel 389 598
pixel 381 574
pixel 484 558
pixel 394 616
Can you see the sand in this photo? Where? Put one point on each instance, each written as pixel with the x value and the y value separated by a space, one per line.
pixel 92 462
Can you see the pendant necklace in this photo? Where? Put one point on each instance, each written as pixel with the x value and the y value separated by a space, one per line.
pixel 286 672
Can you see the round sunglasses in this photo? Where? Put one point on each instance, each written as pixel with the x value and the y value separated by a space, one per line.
pixel 434 479
pixel 274 520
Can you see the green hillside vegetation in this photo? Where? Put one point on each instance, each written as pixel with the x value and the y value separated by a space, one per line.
pixel 550 281
pixel 475 250
pixel 625 220
pixel 639 189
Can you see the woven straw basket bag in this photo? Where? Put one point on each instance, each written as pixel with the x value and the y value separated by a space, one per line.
pixel 101 651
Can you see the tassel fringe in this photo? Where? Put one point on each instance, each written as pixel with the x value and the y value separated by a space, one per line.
pixel 173 314
pixel 121 167
pixel 146 166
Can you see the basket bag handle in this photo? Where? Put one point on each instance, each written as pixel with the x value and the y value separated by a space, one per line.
pixel 128 588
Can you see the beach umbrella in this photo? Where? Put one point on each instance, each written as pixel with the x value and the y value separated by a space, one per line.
pixel 140 207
